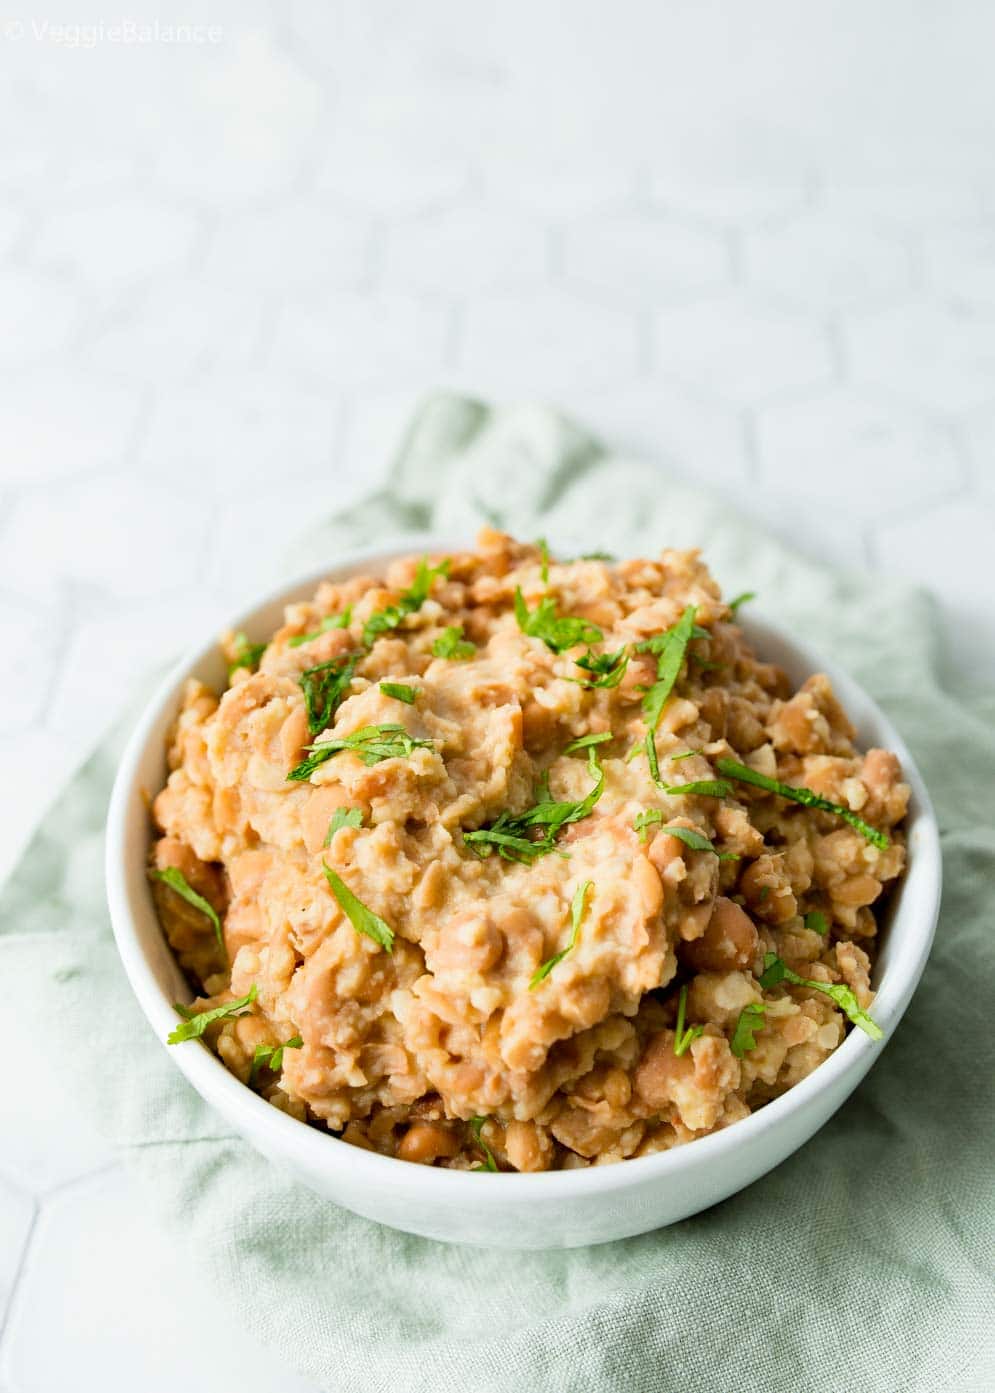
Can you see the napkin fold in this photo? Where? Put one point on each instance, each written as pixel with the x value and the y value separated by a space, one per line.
pixel 863 1261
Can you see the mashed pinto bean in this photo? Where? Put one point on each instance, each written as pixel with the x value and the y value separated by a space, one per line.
pixel 451 1041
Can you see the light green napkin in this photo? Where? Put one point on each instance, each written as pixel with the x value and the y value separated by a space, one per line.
pixel 863 1262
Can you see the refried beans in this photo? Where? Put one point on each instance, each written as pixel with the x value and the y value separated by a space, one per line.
pixel 493 861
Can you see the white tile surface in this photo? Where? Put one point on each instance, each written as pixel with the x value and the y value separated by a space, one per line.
pixel 755 245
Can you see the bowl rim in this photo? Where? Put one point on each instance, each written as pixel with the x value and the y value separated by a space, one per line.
pixel 276 1132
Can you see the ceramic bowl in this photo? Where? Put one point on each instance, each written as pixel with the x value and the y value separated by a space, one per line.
pixel 555 1209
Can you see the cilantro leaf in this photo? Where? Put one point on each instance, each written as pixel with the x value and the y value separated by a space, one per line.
pixel 584 742
pixel 776 970
pixel 741 600
pixel 704 788
pixel 324 687
pixel 271 1057
pixel 400 692
pixel 576 915
pixel 246 654
pixel 608 668
pixel 452 644
pixel 476 1126
pixel 193 1027
pixel 543 546
pixel 751 1019
pixel 343 817
pixel 412 599
pixel 178 882
pixel 596 556
pixel 363 920
pixel 330 621
pixel 683 1038
pixel 745 775
pixel 557 632
pixel 697 841
pixel 510 833
pixel 370 743
pixel 670 649
pixel 816 920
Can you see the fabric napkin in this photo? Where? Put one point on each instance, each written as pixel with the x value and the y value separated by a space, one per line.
pixel 862 1262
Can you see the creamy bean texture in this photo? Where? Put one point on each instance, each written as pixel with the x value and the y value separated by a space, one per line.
pixel 470 833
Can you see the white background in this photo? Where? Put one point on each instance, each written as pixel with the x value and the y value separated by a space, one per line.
pixel 755 242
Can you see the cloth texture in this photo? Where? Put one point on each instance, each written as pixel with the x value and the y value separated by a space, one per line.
pixel 863 1261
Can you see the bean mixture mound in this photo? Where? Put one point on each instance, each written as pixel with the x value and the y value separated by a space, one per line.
pixel 498 862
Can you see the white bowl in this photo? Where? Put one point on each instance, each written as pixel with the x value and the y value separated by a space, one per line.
pixel 555 1209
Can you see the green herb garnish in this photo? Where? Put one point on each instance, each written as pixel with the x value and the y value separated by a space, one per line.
pixel 608 668
pixel 510 833
pixel 370 743
pixel 751 1019
pixel 558 632
pixel 246 654
pixel 324 687
pixel 682 1037
pixel 411 600
pixel 399 692
pixel 744 775
pixel 330 621
pixel 476 1125
pixel 363 920
pixel 576 915
pixel 776 970
pixel 543 546
pixel 697 841
pixel 584 742
pixel 343 817
pixel 193 1027
pixel 817 921
pixel 704 788
pixel 178 882
pixel 683 754
pixel 452 644
pixel 669 649
pixel 596 556
pixel 741 600
pixel 271 1057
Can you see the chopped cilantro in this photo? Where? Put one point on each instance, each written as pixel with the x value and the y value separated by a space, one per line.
pixel 193 1027
pixel 452 644
pixel 745 775
pixel 330 621
pixel 271 1057
pixel 370 743
pixel 411 600
pixel 324 687
pixel 543 546
pixel 697 841
pixel 704 788
pixel 751 1019
pixel 343 817
pixel 817 921
pixel 584 742
pixel 178 882
pixel 608 669
pixel 400 692
pixel 363 920
pixel 476 1126
pixel 683 1038
pixel 576 915
pixel 510 832
pixel 683 754
pixel 670 649
pixel 246 654
pixel 596 556
pixel 741 600
pixel 776 970
pixel 557 632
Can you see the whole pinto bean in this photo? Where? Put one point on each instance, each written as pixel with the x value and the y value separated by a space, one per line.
pixel 426 1142
pixel 729 941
